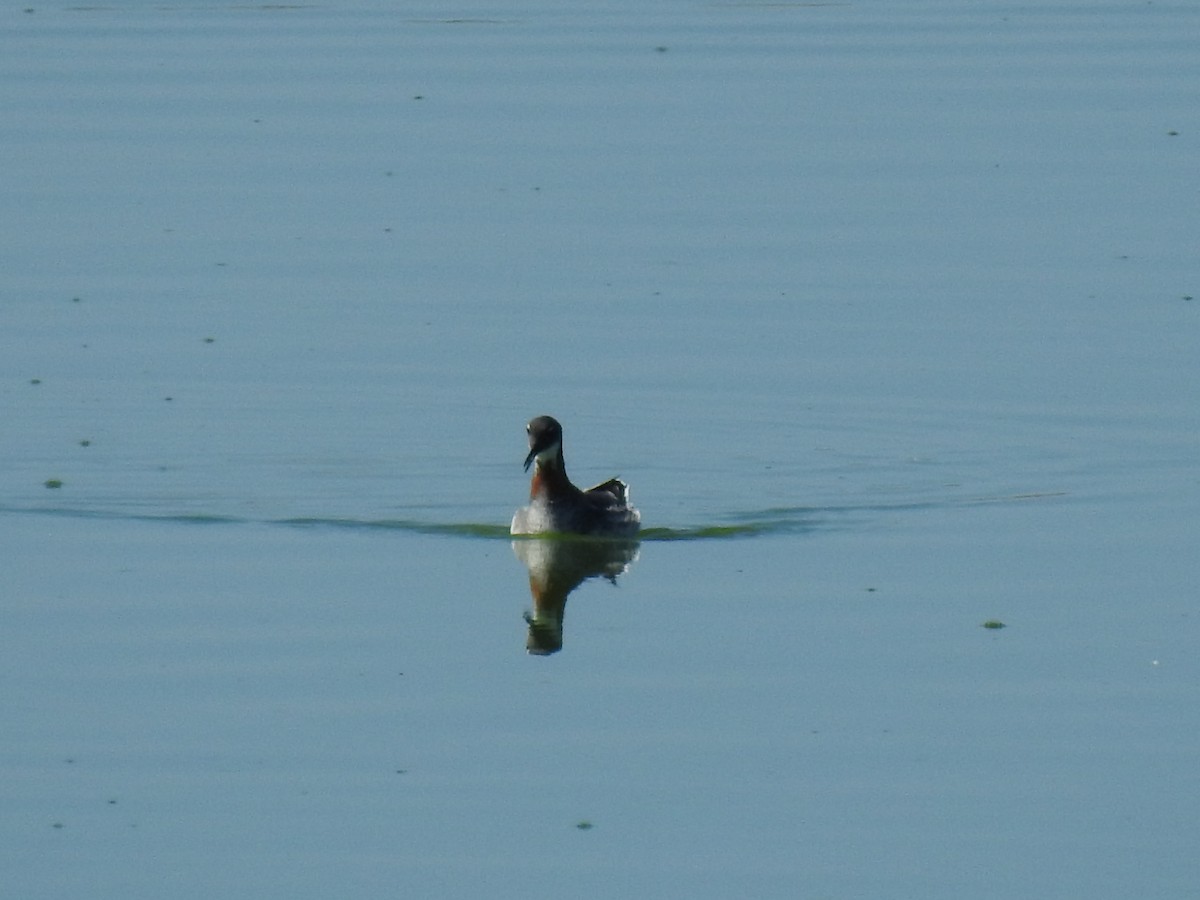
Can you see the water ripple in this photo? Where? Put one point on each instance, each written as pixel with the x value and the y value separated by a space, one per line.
pixel 738 525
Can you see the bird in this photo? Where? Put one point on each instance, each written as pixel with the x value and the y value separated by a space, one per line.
pixel 556 505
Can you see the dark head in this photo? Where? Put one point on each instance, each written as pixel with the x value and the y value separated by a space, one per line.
pixel 545 439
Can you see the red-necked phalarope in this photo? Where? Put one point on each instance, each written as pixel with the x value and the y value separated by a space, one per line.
pixel 557 505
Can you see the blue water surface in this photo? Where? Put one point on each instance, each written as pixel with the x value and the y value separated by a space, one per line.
pixel 885 313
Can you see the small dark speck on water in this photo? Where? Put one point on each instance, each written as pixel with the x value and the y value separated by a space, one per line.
pixel 35 381
pixel 85 443
pixel 210 340
pixel 53 483
pixel 1173 133
pixel 57 825
pixel 585 825
pixel 993 623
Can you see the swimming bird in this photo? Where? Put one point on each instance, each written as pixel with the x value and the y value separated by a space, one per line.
pixel 556 505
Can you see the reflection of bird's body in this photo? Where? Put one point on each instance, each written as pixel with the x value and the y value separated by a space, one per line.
pixel 557 505
pixel 556 568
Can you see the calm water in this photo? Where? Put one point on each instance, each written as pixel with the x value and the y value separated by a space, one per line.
pixel 885 314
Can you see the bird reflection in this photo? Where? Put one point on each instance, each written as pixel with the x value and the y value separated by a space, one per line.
pixel 557 566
